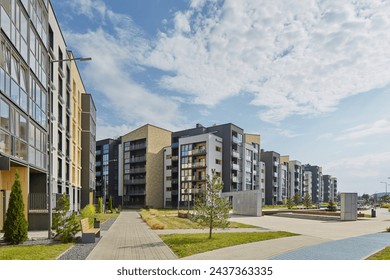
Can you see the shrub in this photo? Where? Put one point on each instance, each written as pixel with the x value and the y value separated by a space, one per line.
pixel 89 212
pixel 388 229
pixel 331 206
pixel 15 225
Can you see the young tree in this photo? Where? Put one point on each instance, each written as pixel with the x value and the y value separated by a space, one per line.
pixel 65 224
pixel 110 204
pixel 15 225
pixel 210 208
pixel 331 206
pixel 100 205
pixel 307 200
pixel 289 202
pixel 297 199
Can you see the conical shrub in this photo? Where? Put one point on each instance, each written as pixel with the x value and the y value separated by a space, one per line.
pixel 15 225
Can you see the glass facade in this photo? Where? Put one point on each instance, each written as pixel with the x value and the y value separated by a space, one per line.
pixel 23 77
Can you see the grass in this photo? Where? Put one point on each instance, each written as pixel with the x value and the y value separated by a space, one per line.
pixel 42 252
pixel 168 219
pixel 381 255
pixel 184 245
pixel 33 252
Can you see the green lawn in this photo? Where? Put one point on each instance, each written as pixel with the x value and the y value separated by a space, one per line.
pixel 33 252
pixel 381 255
pixel 168 219
pixel 184 245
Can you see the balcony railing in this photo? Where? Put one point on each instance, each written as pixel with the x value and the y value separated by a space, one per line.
pixel 138 159
pixel 137 170
pixel 199 151
pixel 236 154
pixel 37 201
pixel 138 181
pixel 138 146
pixel 236 167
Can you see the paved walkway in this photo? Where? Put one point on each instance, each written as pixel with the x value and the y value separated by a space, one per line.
pixel 355 248
pixel 129 238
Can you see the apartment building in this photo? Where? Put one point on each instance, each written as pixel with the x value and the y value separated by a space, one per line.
pixel 273 192
pixel 240 160
pixel 333 189
pixel 23 104
pixel 168 177
pixel 142 151
pixel 307 183
pixel 108 175
pixel 88 152
pixel 39 136
pixel 251 163
pixel 262 181
pixel 326 188
pixel 317 182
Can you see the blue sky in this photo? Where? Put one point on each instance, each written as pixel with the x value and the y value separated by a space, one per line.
pixel 312 77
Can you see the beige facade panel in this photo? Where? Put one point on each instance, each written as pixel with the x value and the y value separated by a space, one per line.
pixel 7 178
pixel 252 138
pixel 156 139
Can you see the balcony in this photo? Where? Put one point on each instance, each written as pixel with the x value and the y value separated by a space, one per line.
pixel 236 167
pixel 138 159
pixel 140 146
pixel 199 165
pixel 199 151
pixel 236 140
pixel 175 158
pixel 138 181
pixel 236 154
pixel 138 170
pixel 186 178
pixel 136 192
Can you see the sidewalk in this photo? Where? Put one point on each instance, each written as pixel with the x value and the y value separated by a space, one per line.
pixel 355 248
pixel 129 238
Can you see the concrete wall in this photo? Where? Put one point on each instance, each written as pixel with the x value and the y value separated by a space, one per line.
pixel 348 206
pixel 246 202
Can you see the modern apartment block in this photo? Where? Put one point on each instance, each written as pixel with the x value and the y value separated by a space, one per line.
pixel 240 160
pixel 88 152
pixel 295 176
pixel 333 188
pixel 142 151
pixel 108 175
pixel 326 187
pixel 307 183
pixel 38 134
pixel 262 181
pixel 168 177
pixel 23 104
pixel 317 182
pixel 273 192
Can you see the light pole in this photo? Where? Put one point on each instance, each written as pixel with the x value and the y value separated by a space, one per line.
pixel 50 135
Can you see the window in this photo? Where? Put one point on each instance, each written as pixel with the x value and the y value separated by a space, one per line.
pixel 218 161
pixel 4 115
pixel 218 149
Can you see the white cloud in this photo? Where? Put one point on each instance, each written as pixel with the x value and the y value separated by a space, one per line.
pixel 366 130
pixel 293 57
pixel 115 55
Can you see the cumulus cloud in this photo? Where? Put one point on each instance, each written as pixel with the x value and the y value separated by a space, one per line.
pixel 116 54
pixel 293 57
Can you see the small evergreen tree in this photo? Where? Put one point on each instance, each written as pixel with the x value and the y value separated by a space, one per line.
pixel 110 204
pixel 297 199
pixel 289 202
pixel 331 206
pixel 100 205
pixel 65 225
pixel 15 225
pixel 307 200
pixel 211 209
